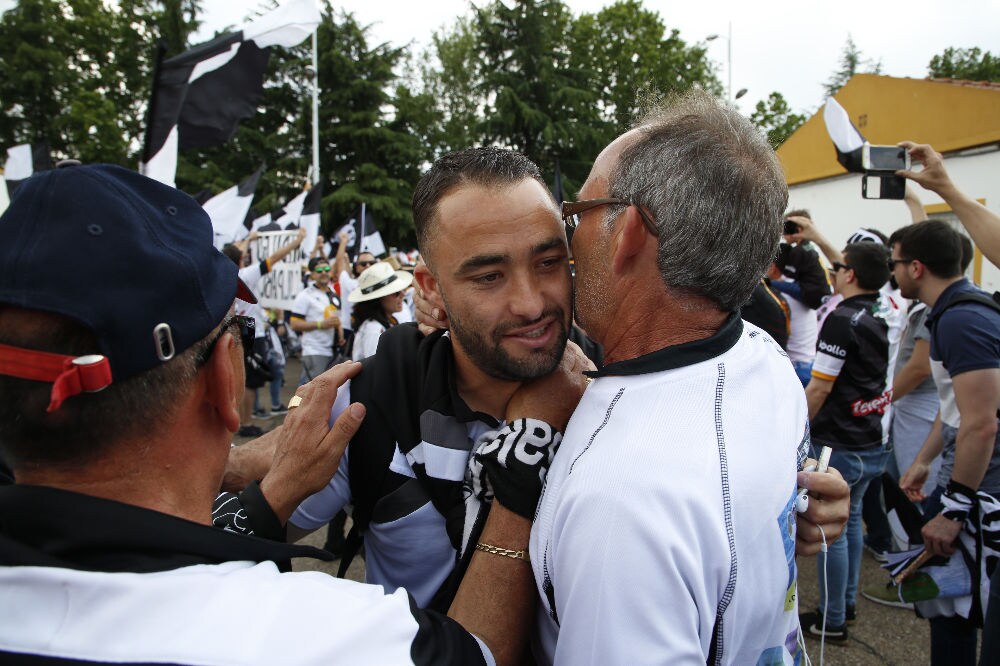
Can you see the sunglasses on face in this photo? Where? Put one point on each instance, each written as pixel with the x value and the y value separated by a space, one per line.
pixel 322 269
pixel 247 326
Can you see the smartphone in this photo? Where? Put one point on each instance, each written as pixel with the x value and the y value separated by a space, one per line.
pixel 884 158
pixel 876 186
pixel 791 228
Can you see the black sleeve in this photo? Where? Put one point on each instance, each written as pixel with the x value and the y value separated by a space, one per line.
pixel 441 641
pixel 804 266
pixel 768 310
pixel 247 513
pixel 264 268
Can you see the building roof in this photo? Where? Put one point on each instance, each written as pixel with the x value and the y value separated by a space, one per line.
pixel 949 114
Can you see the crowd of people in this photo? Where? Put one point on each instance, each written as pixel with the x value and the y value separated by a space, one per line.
pixel 515 500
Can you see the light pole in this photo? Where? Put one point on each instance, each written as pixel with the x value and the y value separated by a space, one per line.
pixel 729 62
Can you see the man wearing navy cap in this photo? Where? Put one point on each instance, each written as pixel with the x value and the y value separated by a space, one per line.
pixel 119 394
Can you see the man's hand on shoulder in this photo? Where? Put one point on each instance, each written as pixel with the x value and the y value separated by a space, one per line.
pixel 308 451
pixel 829 508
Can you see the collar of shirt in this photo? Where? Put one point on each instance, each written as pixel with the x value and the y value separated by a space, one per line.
pixel 42 526
pixel 679 356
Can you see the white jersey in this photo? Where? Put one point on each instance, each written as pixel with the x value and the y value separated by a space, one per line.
pixel 669 506
pixel 314 305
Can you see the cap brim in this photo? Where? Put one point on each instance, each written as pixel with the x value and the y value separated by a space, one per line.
pixel 243 292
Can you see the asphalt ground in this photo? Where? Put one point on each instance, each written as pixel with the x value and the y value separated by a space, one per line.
pixel 881 634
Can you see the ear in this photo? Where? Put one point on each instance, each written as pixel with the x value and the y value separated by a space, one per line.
pixel 632 240
pixel 226 380
pixel 428 285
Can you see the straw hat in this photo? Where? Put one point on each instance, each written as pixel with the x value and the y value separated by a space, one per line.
pixel 379 280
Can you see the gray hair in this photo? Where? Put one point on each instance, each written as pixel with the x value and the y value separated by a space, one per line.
pixel 716 191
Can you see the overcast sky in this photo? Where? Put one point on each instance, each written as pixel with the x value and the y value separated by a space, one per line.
pixel 789 46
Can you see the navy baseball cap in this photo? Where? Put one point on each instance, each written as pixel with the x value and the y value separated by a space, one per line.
pixel 128 257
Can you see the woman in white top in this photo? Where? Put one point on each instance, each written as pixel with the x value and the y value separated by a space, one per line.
pixel 378 297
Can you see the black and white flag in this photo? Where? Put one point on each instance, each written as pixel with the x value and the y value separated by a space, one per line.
pixel 24 161
pixel 362 235
pixel 846 137
pixel 310 217
pixel 200 96
pixel 229 209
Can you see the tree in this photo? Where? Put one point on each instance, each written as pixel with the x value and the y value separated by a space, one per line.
pixel 969 64
pixel 537 101
pixel 776 118
pixel 630 57
pixel 851 61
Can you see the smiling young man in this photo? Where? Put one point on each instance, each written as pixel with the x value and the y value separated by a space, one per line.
pixel 497 264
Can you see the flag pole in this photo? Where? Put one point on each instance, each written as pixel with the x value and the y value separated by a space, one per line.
pixel 315 112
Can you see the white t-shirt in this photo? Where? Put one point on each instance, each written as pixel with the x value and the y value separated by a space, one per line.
pixel 347 285
pixel 251 276
pixel 670 503
pixel 314 305
pixel 366 339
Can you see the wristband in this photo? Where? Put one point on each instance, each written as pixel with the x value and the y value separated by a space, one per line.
pixel 319 325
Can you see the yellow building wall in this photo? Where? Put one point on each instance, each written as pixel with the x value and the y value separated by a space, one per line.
pixel 887 110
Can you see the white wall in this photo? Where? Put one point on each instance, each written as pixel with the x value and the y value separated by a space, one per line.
pixel 838 209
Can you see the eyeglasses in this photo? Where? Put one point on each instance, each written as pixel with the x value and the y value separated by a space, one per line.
pixel 247 326
pixel 891 263
pixel 837 266
pixel 322 269
pixel 366 263
pixel 571 211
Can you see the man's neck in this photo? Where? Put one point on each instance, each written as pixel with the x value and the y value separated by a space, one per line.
pixel 658 320
pixel 931 288
pixel 851 292
pixel 480 391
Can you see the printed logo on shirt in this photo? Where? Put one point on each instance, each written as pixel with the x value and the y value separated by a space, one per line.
pixel 835 350
pixel 866 407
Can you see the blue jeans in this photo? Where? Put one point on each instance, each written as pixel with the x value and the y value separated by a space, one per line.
pixel 803 369
pixel 842 561
pixel 277 367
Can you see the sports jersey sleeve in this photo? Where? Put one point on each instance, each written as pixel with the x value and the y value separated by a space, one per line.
pixel 300 306
pixel 832 348
pixel 251 275
pixel 967 337
pixel 320 508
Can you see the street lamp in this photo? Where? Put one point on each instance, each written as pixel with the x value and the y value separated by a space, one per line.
pixel 729 62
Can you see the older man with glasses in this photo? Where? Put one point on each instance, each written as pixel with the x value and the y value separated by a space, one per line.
pixel 667 525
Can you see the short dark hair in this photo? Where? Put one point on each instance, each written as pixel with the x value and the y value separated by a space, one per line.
pixel 935 244
pixel 315 261
pixel 799 212
pixel 89 424
pixel 870 263
pixel 234 253
pixel 968 251
pixel 487 166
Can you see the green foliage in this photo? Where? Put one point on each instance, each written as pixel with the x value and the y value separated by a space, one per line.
pixel 969 64
pixel 631 58
pixel 852 60
pixel 776 119
pixel 525 74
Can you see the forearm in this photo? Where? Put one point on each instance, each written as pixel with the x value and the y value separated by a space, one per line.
pixel 933 445
pixel 300 325
pixel 982 224
pixel 249 462
pixel 910 376
pixel 496 599
pixel 281 253
pixel 815 397
pixel 831 253
pixel 973 450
